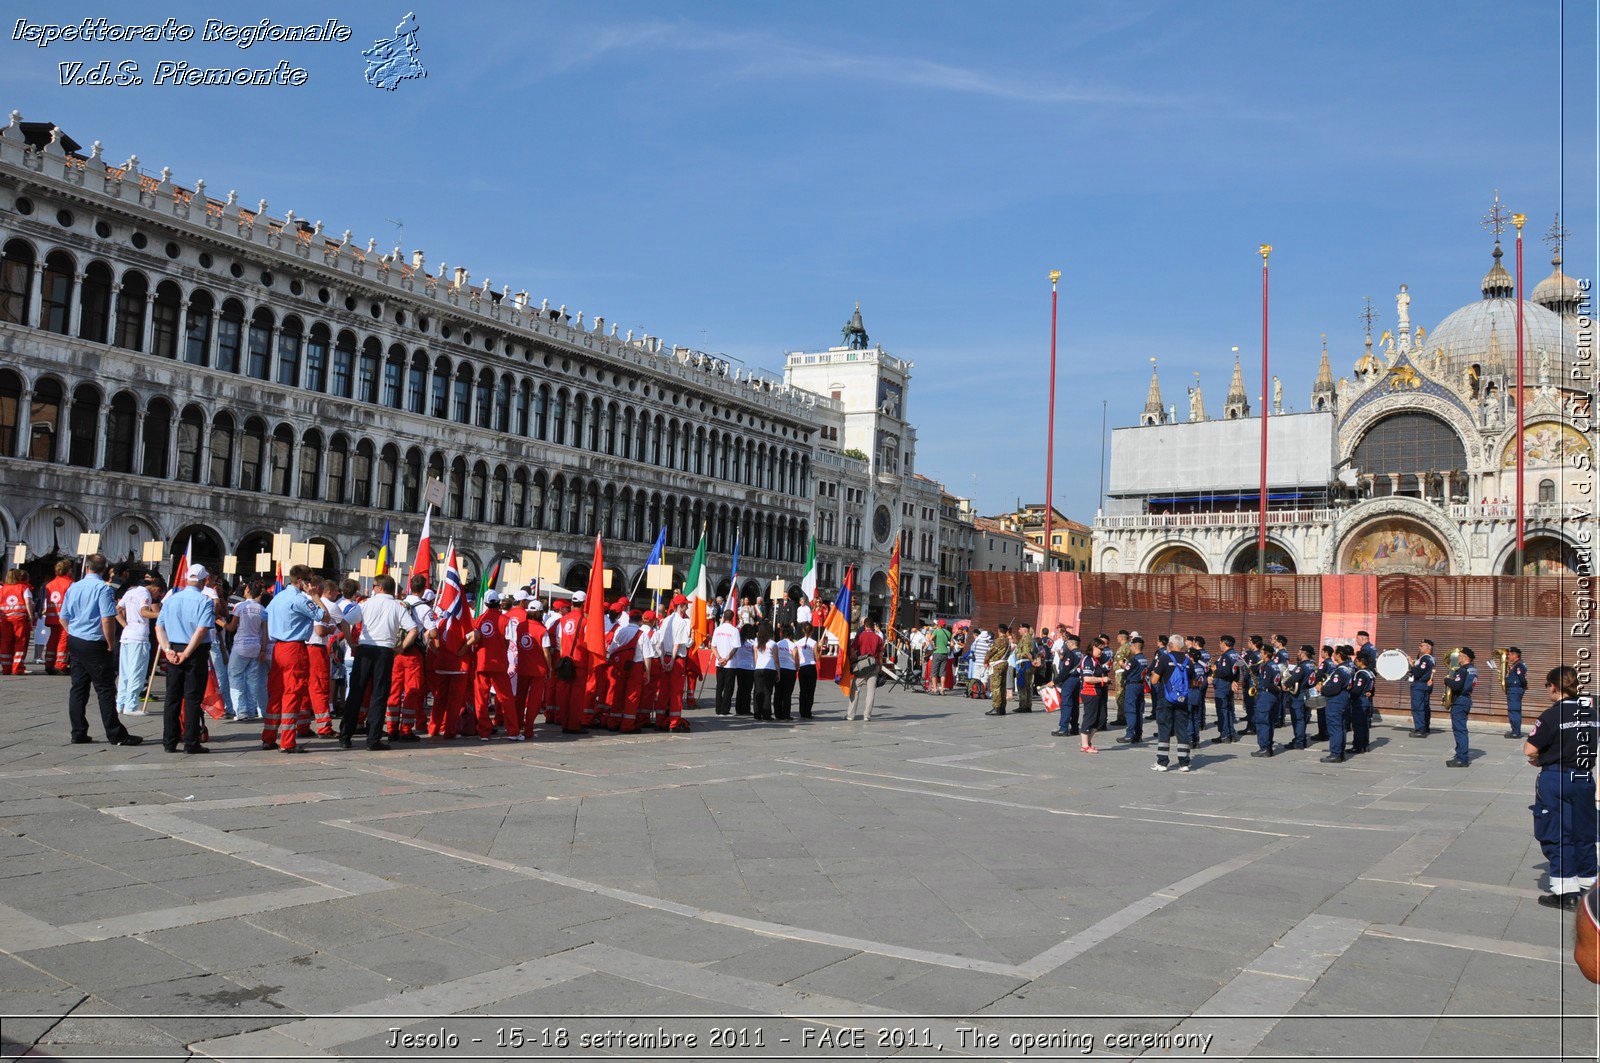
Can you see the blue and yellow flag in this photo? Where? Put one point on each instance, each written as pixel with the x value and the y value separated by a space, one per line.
pixel 383 550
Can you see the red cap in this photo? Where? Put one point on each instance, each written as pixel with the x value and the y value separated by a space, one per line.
pixel 678 599
pixel 941 623
pixel 649 616
pixel 620 603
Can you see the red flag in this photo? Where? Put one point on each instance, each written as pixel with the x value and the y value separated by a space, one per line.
pixel 181 572
pixel 451 603
pixel 594 607
pixel 423 565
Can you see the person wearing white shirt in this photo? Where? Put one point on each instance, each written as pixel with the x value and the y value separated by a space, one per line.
pixel 138 607
pixel 744 670
pixel 631 653
pixel 386 625
pixel 724 644
pixel 783 697
pixel 805 659
pixel 247 671
pixel 675 637
pixel 764 659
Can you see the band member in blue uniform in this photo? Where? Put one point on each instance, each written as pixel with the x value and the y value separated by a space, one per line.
pixel 1249 674
pixel 1280 655
pixel 1302 680
pixel 1133 674
pixel 1197 694
pixel 1070 684
pixel 1170 687
pixel 1516 687
pixel 1460 682
pixel 1335 686
pixel 1362 684
pixel 1324 669
pixel 1421 676
pixel 1224 674
pixel 1562 747
pixel 1364 646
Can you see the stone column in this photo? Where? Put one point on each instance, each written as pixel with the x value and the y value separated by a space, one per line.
pixel 149 321
pixel 1394 483
pixel 138 442
pixel 115 309
pixel 64 429
pixel 102 431
pixel 272 354
pixel 36 296
pixel 75 306
pixel 180 351
pixel 24 422
pixel 1422 485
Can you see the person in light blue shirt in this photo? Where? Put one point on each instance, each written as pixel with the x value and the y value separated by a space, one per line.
pixel 184 629
pixel 291 615
pixel 89 612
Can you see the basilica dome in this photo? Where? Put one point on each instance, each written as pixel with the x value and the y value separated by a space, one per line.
pixel 1484 334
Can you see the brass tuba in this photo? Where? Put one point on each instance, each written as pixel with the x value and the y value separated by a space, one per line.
pixel 1452 661
pixel 1500 656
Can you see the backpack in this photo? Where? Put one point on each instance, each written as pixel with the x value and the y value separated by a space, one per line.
pixel 1176 687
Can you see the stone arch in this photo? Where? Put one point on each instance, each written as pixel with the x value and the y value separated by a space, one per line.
pixel 45 536
pixel 1175 557
pixel 1241 557
pixel 209 546
pixel 1409 525
pixel 1362 420
pixel 1548 552
pixel 1548 443
pixel 118 540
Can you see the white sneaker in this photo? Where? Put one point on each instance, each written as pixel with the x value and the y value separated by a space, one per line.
pixel 516 738
pixel 1160 767
pixel 1183 767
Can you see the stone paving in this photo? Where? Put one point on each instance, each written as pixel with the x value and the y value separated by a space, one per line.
pixel 932 884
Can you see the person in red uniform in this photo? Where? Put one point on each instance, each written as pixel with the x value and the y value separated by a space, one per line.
pixel 447 675
pixel 16 622
pixel 55 592
pixel 677 652
pixel 531 644
pixel 631 654
pixel 488 641
pixel 407 685
pixel 572 669
pixel 602 675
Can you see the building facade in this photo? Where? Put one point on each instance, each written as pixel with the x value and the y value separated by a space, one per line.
pixel 179 367
pixel 1408 465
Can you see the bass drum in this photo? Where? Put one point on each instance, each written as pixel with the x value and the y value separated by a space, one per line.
pixel 1393 665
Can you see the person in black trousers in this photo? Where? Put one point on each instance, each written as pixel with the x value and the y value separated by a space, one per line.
pixel 744 670
pixel 805 656
pixel 372 671
pixel 89 609
pixel 783 696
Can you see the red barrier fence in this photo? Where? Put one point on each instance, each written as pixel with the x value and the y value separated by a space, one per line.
pixel 1548 617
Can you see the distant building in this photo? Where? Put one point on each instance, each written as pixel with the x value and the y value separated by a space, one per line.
pixel 1072 542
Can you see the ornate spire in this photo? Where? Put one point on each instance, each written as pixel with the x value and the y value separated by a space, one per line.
pixel 1497 283
pixel 1197 402
pixel 1154 411
pixel 1558 292
pixel 1238 405
pixel 1367 364
pixel 1323 394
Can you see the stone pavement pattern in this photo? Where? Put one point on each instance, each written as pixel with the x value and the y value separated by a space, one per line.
pixel 932 870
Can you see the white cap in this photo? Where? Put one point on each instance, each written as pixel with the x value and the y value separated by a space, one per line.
pixel 578 596
pixel 534 603
pixel 491 596
pixel 519 595
pixel 427 595
pixel 197 573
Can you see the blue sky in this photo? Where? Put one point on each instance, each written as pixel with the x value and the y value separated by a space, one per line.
pixel 735 175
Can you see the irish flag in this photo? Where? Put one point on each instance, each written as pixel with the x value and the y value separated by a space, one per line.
pixel 808 580
pixel 695 589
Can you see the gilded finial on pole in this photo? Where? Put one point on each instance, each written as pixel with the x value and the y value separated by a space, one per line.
pixel 1265 250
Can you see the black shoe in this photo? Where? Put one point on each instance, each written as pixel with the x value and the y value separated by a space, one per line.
pixel 1297 745
pixel 1061 734
pixel 1331 759
pixel 345 743
pixel 1567 902
pixel 1319 737
pixel 377 747
pixel 295 749
pixel 405 736
pixel 995 712
pixel 1248 731
pixel 127 740
pixel 1261 753
pixel 169 749
pixel 1023 710
pixel 1125 740
pixel 192 750
pixel 1513 734
pixel 82 740
pixel 1456 762
pixel 1414 733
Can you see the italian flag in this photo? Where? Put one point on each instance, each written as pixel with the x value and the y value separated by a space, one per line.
pixel 808 580
pixel 697 592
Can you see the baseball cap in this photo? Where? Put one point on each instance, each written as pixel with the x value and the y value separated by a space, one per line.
pixel 678 599
pixel 620 603
pixel 197 573
pixel 534 603
pixel 492 596
pixel 519 595
pixel 427 595
pixel 578 596
pixel 649 616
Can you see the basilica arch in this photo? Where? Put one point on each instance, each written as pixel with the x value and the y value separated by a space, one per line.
pixel 1364 419
pixel 1546 553
pixel 1281 559
pixel 1176 558
pixel 1396 536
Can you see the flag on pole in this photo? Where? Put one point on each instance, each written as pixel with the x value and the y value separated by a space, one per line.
pixel 423 565
pixel 695 589
pixel 277 587
pixel 383 552
pixel 655 559
pixel 733 577
pixel 185 559
pixel 894 590
pixel 489 580
pixel 450 602
pixel 594 607
pixel 808 579
pixel 839 627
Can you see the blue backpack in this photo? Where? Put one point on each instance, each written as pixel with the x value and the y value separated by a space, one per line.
pixel 1176 687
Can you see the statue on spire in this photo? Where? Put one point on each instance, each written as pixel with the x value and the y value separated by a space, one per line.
pixel 1402 309
pixel 1197 404
pixel 855 333
pixel 1154 412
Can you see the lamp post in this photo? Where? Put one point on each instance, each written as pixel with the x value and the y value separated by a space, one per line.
pixel 1050 435
pixel 1261 537
pixel 1522 518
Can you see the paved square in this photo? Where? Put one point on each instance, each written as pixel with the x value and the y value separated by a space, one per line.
pixel 936 883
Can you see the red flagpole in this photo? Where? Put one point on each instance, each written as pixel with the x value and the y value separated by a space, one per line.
pixel 1522 518
pixel 1261 537
pixel 1050 444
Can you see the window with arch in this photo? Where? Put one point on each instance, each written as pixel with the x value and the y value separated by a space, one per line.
pixel 259 344
pixel 1409 442
pixel 281 460
pixel 157 437
pixel 230 335
pixel 85 427
pixel 541 412
pixel 411 481
pixel 221 450
pixel 463 395
pixel 55 292
pixel 361 474
pixel 290 343
pixel 394 378
pixel 524 402
pixel 458 488
pixel 342 379
pixel 367 372
pixel 441 389
pixel 10 411
pixel 478 489
pixel 558 414
pixel 252 453
pixel 164 320
pixel 130 311
pixel 502 404
pixel 388 473
pixel 518 515
pixel 197 329
pixel 1547 491
pixel 338 481
pixel 417 383
pixel 310 486
pixel 317 358
pixel 44 419
pixel 191 433
pixel 94 304
pixel 120 433
pixel 483 399
pixel 16 283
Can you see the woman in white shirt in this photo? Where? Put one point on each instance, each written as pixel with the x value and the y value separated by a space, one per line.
pixel 744 670
pixel 805 659
pixel 765 652
pixel 783 699
pixel 247 671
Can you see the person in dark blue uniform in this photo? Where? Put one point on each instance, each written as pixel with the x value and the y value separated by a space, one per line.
pixel 1248 675
pixel 1363 682
pixel 1280 655
pixel 1095 671
pixel 1325 667
pixel 1562 747
pixel 1133 674
pixel 1335 686
pixel 1268 691
pixel 1421 676
pixel 1070 683
pixel 1516 687
pixel 1460 682
pixel 1364 647
pixel 1302 681
pixel 1197 694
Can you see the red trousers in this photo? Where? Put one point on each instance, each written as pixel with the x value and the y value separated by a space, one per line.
pixel 14 637
pixel 599 690
pixel 288 693
pixel 572 698
pixel 530 696
pixel 628 683
pixel 55 650
pixel 449 693
pixel 319 707
pixel 500 684
pixel 405 694
pixel 669 699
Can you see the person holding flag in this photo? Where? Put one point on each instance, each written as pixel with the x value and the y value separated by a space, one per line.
pixel 808 586
pixel 422 565
pixel 446 666
pixel 894 590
